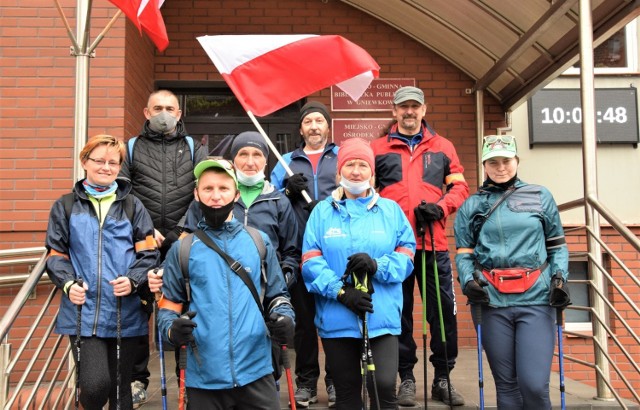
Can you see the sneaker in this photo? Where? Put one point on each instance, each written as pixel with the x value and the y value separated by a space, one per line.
pixel 331 394
pixel 407 393
pixel 305 396
pixel 440 391
pixel 138 394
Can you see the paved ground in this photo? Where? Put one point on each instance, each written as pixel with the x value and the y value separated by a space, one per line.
pixel 464 378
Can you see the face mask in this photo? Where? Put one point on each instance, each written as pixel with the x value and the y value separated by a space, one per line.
pixel 215 217
pixel 355 188
pixel 249 180
pixel 163 123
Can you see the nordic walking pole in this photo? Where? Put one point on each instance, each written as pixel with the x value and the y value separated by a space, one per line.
pixel 182 365
pixel 163 377
pixel 287 370
pixel 477 314
pixel 560 358
pixel 438 298
pixel 370 366
pixel 77 345
pixel 420 230
pixel 118 346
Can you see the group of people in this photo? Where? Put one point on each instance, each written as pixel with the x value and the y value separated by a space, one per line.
pixel 344 237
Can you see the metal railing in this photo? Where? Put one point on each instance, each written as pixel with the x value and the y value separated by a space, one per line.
pixel 43 367
pixel 606 306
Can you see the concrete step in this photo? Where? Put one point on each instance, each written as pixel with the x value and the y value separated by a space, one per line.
pixel 464 378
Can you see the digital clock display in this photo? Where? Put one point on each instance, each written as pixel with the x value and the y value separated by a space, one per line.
pixel 555 116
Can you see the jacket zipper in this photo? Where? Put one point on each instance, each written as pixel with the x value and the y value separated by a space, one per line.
pixel 98 270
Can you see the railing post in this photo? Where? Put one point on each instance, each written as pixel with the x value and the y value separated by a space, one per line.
pixel 5 354
pixel 590 175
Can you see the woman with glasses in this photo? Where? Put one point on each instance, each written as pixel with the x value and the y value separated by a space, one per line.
pixel 512 263
pixel 100 246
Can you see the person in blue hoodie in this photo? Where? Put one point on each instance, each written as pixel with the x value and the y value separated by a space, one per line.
pixel 99 255
pixel 512 264
pixel 229 362
pixel 355 237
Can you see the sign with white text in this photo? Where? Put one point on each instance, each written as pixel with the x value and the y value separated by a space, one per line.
pixel 377 97
pixel 366 128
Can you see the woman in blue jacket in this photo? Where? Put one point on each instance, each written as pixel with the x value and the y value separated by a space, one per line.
pixel 357 250
pixel 109 248
pixel 512 263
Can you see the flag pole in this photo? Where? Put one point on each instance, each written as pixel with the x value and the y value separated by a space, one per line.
pixel 275 151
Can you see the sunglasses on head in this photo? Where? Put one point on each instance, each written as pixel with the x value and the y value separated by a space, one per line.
pixel 492 139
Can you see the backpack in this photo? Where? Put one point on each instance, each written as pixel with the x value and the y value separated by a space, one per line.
pixel 183 259
pixel 132 142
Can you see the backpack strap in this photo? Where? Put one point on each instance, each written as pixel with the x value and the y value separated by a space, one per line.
pixel 130 144
pixel 262 251
pixel 129 205
pixel 189 140
pixel 183 259
pixel 233 264
pixel 67 202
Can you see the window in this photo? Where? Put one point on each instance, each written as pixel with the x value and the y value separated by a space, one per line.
pixel 578 320
pixel 617 55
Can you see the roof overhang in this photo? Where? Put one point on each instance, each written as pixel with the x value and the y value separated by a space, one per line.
pixel 510 48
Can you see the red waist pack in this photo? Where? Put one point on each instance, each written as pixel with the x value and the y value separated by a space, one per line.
pixel 513 280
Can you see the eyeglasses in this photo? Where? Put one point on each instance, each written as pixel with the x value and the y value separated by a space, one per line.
pixel 505 139
pixel 101 162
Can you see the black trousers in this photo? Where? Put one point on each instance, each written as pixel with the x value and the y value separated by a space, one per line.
pixel 344 356
pixel 258 395
pixel 98 371
pixel 305 341
pixel 407 346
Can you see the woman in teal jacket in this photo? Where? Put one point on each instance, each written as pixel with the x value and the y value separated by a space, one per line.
pixel 356 234
pixel 512 263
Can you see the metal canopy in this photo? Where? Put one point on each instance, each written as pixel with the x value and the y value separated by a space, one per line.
pixel 511 48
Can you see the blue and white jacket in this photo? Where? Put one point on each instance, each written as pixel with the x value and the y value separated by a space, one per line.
pixel 338 228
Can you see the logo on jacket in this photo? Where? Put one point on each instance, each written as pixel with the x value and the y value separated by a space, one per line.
pixel 334 233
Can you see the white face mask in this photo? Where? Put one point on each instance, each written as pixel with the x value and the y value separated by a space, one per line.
pixel 250 180
pixel 355 188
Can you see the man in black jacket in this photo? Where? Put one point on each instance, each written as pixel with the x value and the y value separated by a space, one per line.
pixel 159 163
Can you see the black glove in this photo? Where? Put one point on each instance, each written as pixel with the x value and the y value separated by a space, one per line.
pixel 295 185
pixel 181 330
pixel 309 207
pixel 357 301
pixel 361 263
pixel 430 212
pixel 289 275
pixel 281 328
pixel 559 294
pixel 476 293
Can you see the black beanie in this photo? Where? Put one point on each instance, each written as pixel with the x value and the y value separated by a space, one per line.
pixel 315 106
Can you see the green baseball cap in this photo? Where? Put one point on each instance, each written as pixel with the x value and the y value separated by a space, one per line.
pixel 215 163
pixel 499 146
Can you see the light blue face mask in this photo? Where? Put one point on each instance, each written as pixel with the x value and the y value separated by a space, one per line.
pixel 250 180
pixel 355 188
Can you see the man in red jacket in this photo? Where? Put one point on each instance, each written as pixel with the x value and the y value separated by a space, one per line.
pixel 420 170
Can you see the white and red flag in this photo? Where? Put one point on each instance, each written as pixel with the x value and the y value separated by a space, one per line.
pixel 268 72
pixel 145 14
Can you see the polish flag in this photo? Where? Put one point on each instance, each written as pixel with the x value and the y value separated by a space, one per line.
pixel 268 72
pixel 145 14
